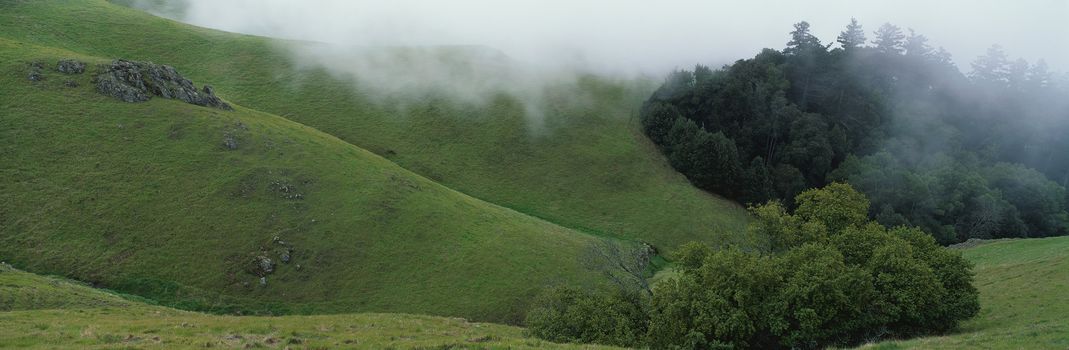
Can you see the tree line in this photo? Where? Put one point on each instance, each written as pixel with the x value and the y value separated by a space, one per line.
pixel 961 156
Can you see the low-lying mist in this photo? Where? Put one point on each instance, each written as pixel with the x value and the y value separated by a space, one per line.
pixel 473 50
pixel 629 35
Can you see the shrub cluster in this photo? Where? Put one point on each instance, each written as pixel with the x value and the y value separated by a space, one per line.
pixel 828 276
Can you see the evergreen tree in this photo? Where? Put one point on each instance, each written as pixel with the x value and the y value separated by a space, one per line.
pixel 889 39
pixel 853 37
pixel 1017 74
pixel 917 45
pixel 1039 77
pixel 802 40
pixel 992 67
pixel 944 58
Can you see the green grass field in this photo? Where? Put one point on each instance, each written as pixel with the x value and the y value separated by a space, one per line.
pixel 40 312
pixel 588 167
pixel 1024 299
pixel 468 215
pixel 143 198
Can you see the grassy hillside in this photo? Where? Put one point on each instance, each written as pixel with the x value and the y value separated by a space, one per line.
pixel 1023 294
pixel 586 166
pixel 52 312
pixel 144 198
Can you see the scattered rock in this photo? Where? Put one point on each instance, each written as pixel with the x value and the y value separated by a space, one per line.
pixel 132 81
pixel 266 265
pixel 70 83
pixel 230 141
pixel 70 66
pixel 288 190
pixel 263 281
pixel 36 71
pixel 285 256
pixel 260 266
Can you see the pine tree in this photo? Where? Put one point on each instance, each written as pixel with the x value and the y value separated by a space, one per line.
pixel 1039 77
pixel 944 57
pixel 917 45
pixel 802 40
pixel 991 67
pixel 1017 74
pixel 889 39
pixel 853 37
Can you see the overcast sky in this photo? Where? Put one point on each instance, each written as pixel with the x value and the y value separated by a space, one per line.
pixel 651 36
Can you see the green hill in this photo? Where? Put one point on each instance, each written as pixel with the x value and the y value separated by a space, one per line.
pixel 46 313
pixel 587 167
pixel 144 198
pixel 1023 299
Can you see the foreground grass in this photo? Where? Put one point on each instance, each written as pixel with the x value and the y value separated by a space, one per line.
pixel 40 312
pixel 1024 295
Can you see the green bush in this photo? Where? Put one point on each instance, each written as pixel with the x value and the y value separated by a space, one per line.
pixel 574 316
pixel 828 278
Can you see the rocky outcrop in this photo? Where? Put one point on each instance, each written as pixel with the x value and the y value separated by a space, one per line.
pixel 132 81
pixel 69 66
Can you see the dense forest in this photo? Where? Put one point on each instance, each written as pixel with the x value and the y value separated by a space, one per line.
pixel 975 155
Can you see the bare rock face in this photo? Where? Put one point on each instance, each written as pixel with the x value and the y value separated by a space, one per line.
pixel 132 81
pixel 69 66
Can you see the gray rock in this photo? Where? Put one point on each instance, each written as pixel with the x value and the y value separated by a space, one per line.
pixel 36 73
pixel 70 66
pixel 266 265
pixel 261 266
pixel 263 281
pixel 132 81
pixel 285 256
pixel 230 142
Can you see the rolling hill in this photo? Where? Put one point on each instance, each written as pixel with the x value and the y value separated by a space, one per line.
pixel 587 166
pixel 46 312
pixel 146 199
pixel 456 210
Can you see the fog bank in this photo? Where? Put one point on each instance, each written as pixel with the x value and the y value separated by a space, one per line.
pixel 641 36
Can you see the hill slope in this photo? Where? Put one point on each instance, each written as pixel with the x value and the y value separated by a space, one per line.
pixel 587 167
pixel 45 313
pixel 1023 286
pixel 144 198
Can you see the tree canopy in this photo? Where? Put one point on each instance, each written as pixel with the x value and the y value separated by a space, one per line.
pixel 929 145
